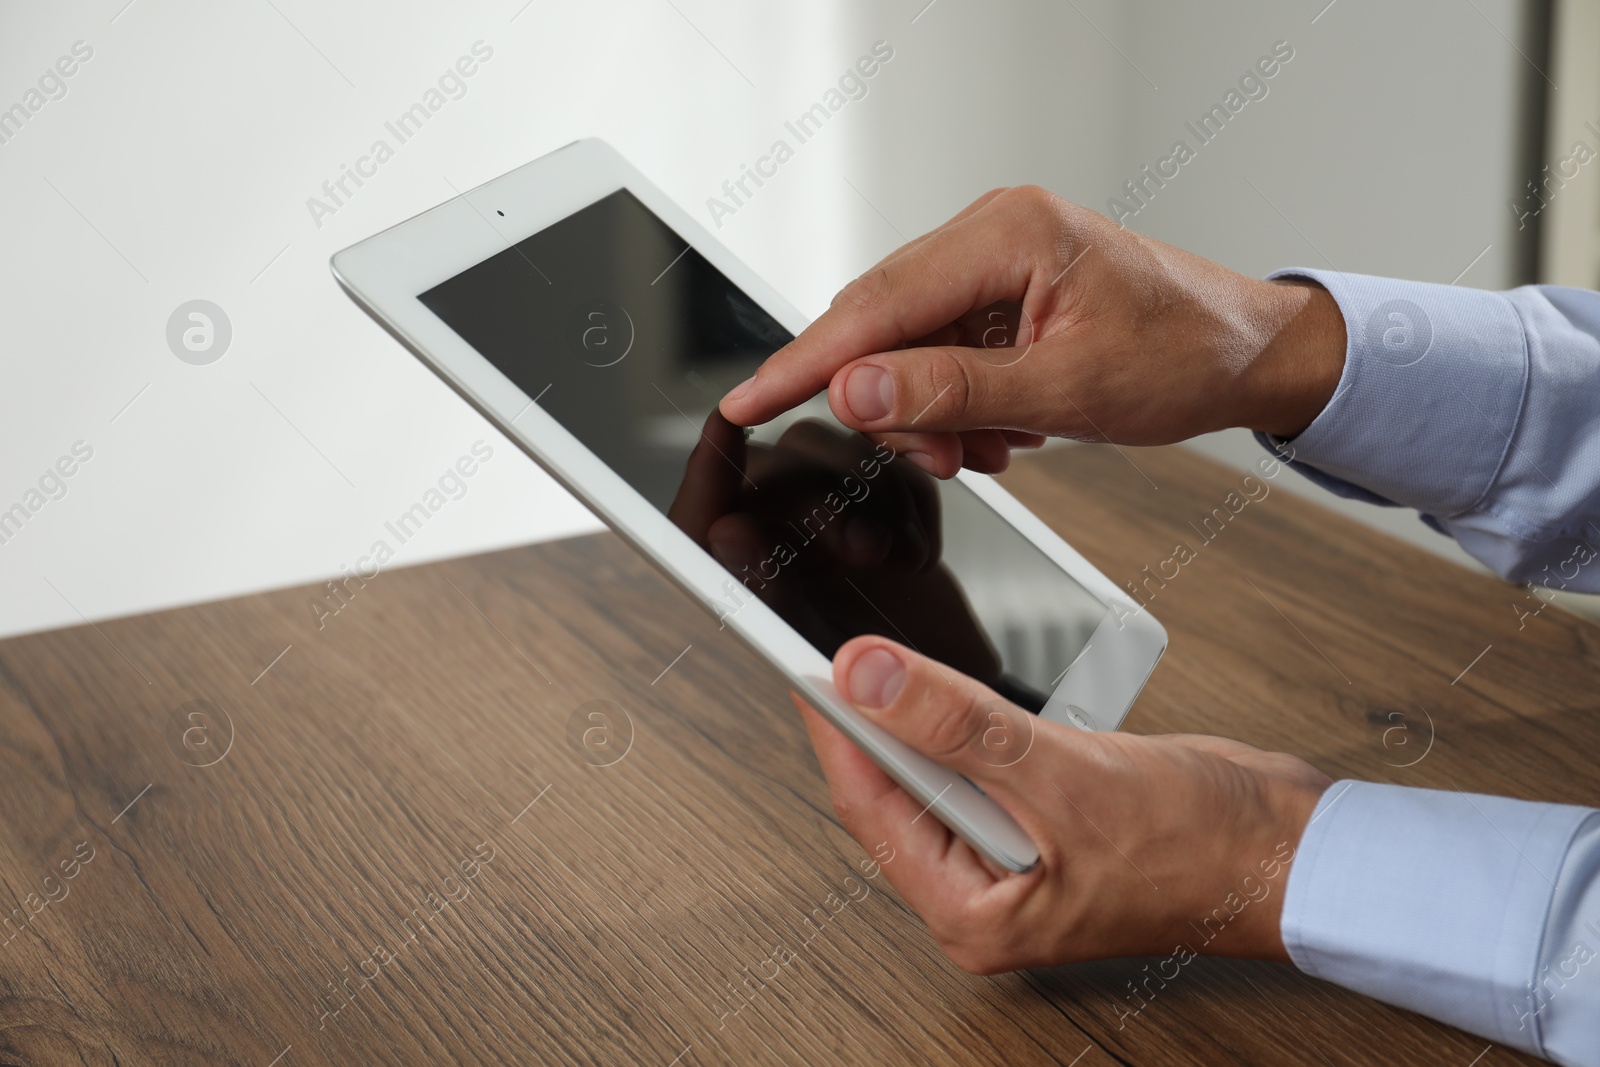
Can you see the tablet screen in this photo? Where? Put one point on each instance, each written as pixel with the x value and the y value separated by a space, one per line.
pixel 628 338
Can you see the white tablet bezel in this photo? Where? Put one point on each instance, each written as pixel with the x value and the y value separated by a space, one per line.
pixel 386 274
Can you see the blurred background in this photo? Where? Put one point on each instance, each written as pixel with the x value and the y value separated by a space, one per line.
pixel 184 157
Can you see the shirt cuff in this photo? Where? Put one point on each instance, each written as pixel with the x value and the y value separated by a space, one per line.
pixel 1431 900
pixel 1567 994
pixel 1429 371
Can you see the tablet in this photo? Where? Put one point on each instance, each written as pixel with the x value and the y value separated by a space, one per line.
pixel 597 325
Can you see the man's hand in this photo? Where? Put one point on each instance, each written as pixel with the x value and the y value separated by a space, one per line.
pixel 1147 845
pixel 1026 316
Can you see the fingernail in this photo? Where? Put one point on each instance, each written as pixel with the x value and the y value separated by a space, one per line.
pixel 742 388
pixel 877 678
pixel 869 391
pixel 921 459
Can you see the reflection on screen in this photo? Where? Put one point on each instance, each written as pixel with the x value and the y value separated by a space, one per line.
pixel 628 338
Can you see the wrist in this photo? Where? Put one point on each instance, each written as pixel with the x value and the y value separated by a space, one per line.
pixel 1261 881
pixel 1297 369
pixel 1296 804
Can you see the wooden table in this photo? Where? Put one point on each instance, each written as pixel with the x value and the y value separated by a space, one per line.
pixel 389 841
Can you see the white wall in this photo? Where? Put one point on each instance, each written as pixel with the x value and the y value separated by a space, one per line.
pixel 179 163
pixel 1391 144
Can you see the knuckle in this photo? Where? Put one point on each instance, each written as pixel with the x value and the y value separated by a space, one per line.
pixel 1036 214
pixel 964 957
pixel 954 726
pixel 1034 198
pixel 854 814
pixel 951 386
pixel 993 194
pixel 866 292
pixel 974 957
pixel 846 809
pixel 987 963
pixel 979 937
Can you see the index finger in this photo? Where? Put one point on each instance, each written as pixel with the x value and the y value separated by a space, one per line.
pixel 950 273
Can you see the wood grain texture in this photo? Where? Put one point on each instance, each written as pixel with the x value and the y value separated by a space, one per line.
pixel 401 819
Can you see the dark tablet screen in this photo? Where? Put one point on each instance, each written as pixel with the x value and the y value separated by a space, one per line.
pixel 628 338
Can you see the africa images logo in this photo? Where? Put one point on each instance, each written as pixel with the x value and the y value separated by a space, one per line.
pixel 1399 332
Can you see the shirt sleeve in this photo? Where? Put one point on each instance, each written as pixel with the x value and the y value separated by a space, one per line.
pixel 1478 409
pixel 1482 912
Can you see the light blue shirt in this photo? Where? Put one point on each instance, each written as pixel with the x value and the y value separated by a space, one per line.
pixel 1482 411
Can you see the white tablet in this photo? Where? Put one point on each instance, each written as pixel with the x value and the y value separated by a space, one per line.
pixel 597 324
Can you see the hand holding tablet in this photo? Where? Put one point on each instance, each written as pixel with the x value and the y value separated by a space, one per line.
pixel 1169 846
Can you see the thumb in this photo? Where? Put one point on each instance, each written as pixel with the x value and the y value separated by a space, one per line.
pixel 932 389
pixel 947 716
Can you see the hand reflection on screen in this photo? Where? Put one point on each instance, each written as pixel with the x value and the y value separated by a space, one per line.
pixel 835 534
